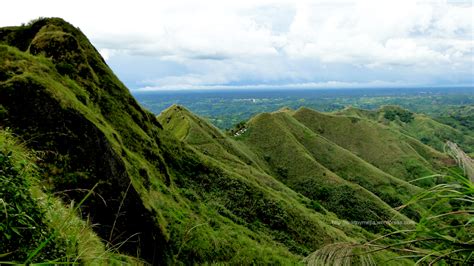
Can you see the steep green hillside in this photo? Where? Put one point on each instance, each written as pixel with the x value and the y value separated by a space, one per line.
pixel 205 137
pixel 278 145
pixel 79 122
pixel 32 218
pixel 385 147
pixel 345 164
pixel 274 138
pixel 155 197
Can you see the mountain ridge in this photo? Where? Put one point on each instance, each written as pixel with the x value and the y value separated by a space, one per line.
pixel 174 189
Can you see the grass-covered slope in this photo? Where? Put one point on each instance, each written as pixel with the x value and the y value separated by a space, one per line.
pixel 156 197
pixel 384 147
pixel 424 128
pixel 38 226
pixel 345 164
pixel 278 145
pixel 79 121
pixel 322 170
pixel 205 137
pixel 239 161
pixel 460 117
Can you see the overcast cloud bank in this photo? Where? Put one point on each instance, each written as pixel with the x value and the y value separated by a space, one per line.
pixel 232 44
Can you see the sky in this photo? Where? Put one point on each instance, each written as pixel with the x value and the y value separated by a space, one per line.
pixel 207 44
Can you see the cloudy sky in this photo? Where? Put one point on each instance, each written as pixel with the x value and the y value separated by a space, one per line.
pixel 207 44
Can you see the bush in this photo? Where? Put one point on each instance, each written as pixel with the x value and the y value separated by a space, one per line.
pixel 403 115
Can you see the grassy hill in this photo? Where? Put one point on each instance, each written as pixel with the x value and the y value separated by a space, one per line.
pixel 424 128
pixel 270 149
pixel 89 176
pixel 345 164
pixel 155 197
pixel 292 152
pixel 383 146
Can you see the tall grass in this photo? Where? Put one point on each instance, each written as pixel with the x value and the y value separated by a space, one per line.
pixel 40 227
pixel 339 254
pixel 443 235
pixel 463 160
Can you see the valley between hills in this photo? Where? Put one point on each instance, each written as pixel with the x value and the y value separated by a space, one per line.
pixel 89 176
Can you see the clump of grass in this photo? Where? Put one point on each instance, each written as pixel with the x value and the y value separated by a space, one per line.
pixel 446 233
pixel 341 254
pixel 462 159
pixel 22 226
pixel 37 226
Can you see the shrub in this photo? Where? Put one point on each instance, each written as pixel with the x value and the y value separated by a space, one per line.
pixel 404 115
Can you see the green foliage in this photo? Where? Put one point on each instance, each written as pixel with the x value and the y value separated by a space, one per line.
pixel 76 127
pixel 36 226
pixel 392 113
pixel 444 234
pixel 459 117
pixel 65 68
pixel 238 129
pixel 269 144
pixel 22 228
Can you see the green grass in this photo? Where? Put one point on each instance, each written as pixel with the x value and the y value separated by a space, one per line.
pixel 87 129
pixel 251 190
pixel 299 158
pixel 345 164
pixel 442 236
pixel 37 226
pixel 422 127
pixel 382 146
pixel 175 189
pixel 278 145
pixel 298 151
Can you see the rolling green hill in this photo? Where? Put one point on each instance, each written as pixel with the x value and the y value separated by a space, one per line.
pixel 422 127
pixel 336 159
pixel 89 176
pixel 273 147
pixel 383 146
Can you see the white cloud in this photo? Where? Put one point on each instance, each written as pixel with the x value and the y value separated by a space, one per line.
pixel 267 42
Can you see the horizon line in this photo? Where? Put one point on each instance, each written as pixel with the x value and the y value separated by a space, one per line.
pixel 293 87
